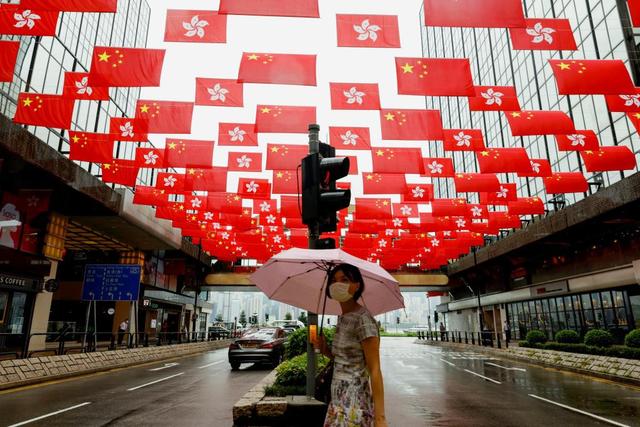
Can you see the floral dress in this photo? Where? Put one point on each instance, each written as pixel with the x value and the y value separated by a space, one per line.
pixel 351 400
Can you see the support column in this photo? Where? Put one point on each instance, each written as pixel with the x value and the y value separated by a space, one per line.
pixel 636 270
pixel 41 309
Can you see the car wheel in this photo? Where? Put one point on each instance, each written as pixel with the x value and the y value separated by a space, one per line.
pixel 235 366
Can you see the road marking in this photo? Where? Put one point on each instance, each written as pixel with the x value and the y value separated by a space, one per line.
pixel 483 377
pixel 166 365
pixel 211 364
pixel 155 382
pixel 51 414
pixel 504 367
pixel 588 414
pixel 447 362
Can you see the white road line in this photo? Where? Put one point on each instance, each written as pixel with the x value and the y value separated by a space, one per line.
pixel 504 367
pixel 211 364
pixel 51 414
pixel 588 414
pixel 448 363
pixel 155 382
pixel 483 377
pixel 166 365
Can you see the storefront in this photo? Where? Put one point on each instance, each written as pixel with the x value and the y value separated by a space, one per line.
pixel 17 295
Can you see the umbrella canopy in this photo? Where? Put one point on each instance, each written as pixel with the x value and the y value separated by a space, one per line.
pixel 298 277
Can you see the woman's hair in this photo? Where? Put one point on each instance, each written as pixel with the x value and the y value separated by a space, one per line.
pixel 352 273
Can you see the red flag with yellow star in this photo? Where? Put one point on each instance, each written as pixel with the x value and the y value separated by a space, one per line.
pixel 411 125
pixel 614 158
pixel 591 76
pixel 634 118
pixel 579 141
pixel 126 129
pixel 286 182
pixel 278 68
pixel 449 207
pixel 52 111
pixel 438 167
pixel 211 179
pixel 172 183
pixel 285 156
pixel 123 172
pixel 526 206
pixel 237 134
pixel 397 160
pixel 126 67
pixel 244 162
pixel 476 182
pixel 254 188
pixel 293 8
pixel 383 183
pixel 79 86
pixel 219 92
pixel 373 208
pixel 526 123
pixel 195 26
pixel 20 20
pixel 284 119
pixel 434 77
pixel 501 160
pixel 350 138
pixel 151 158
pixel 8 56
pixel 463 140
pixel 150 196
pixel 543 34
pixel 225 202
pixel 474 13
pixel 188 153
pixel 566 182
pixel 166 116
pixel 101 6
pixel 90 147
pixel 354 96
pixel 494 98
pixel 368 31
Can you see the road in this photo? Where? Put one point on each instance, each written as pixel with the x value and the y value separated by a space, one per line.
pixel 424 385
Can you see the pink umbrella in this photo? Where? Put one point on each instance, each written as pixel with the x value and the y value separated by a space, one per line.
pixel 298 277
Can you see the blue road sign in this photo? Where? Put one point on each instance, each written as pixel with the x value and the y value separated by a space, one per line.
pixel 111 282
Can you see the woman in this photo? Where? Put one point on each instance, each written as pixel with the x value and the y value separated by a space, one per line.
pixel 357 391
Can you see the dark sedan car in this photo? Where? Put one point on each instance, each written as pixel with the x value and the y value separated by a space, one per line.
pixel 263 345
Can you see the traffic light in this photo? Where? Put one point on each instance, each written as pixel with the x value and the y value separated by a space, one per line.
pixel 435 317
pixel 320 198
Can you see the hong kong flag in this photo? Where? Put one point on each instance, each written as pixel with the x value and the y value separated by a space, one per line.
pixel 526 206
pixel 123 172
pixel 166 116
pixel 285 182
pixel 615 158
pixel 219 92
pixel 285 157
pixel 418 193
pixel 150 196
pixel 591 76
pixel 476 182
pixel 126 129
pixel 383 183
pixel 581 140
pixel 539 168
pixel 405 210
pixel 102 6
pixel 525 123
pixel 411 125
pixel 278 68
pixel 8 56
pixel 543 34
pixel 263 206
pixel 195 26
pixel 350 138
pixel 152 158
pixel 505 193
pixel 188 153
pixel 253 188
pixel 237 134
pixel 494 98
pixel 477 211
pixel 474 13
pixel 90 147
pixel 211 179
pixel 355 96
pixel 502 160
pixel 463 140
pixel 244 162
pixel 627 103
pixel 293 8
pixel 368 31
pixel 126 67
pixel 377 208
pixel 52 111
pixel 78 86
pixel 284 119
pixel 438 167
pixel 566 182
pixel 172 183
pixel 20 20
pixel 434 77
pixel 397 160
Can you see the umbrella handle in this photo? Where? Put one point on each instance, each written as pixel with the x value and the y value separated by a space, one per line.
pixel 324 304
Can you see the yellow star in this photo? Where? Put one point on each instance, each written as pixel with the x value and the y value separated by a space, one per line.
pixel 106 166
pixel 369 177
pixel 192 171
pixel 588 152
pixel 75 139
pixel 407 68
pixel 144 108
pixel 484 153
pixel 380 153
pixel 274 149
pixel 236 198
pixel 564 66
pixel 637 115
pixel 104 56
pixel 265 110
pixel 253 57
pixel 515 114
pixel 389 116
pixel 172 146
pixel 27 102
pixel 385 203
pixel 279 175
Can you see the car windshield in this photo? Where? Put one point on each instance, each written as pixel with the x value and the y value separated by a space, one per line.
pixel 260 334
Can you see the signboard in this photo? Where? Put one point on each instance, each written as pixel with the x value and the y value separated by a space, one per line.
pixel 8 281
pixel 111 282
pixel 561 287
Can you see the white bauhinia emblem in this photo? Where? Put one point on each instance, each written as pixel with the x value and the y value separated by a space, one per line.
pixel 196 203
pixel 406 210
pixel 502 194
pixel 353 96
pixel 26 18
pixel 435 167
pixel 492 97
pixel 462 139
pixel 127 130
pixel 461 223
pixel 382 243
pixel 218 93
pixel 237 134
pixel 540 33
pixel 195 27
pixel 170 181
pixel 208 216
pixel 150 158
pixel 252 187
pixel 83 87
pixel 397 222
pixel 446 233
pixel 367 31
pixel 224 235
pixel 535 166
pixel 577 139
pixel 388 232
pixel 244 161
pixel 630 100
pixel 271 219
pixel 435 242
pixel 273 228
pixel 349 138
pixel 417 192
pixel 476 211
pixel 265 207
pixel 277 239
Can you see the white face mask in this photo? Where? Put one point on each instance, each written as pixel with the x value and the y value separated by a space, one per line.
pixel 339 291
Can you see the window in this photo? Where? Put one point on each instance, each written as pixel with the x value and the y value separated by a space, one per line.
pixel 4 300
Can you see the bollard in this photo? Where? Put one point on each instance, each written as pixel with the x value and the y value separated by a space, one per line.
pixel 473 338
pixel 466 339
pixel 112 344
pixel 498 339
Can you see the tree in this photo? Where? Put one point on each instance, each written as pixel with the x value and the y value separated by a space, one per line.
pixel 303 317
pixel 219 318
pixel 243 319
pixel 288 316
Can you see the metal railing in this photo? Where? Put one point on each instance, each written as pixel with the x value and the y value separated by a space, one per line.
pixel 483 339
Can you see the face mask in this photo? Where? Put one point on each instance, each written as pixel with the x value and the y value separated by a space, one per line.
pixel 339 291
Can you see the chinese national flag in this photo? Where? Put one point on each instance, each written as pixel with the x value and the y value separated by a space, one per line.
pixel 152 158
pixel 525 123
pixel 254 188
pixel 543 34
pixel 448 207
pixel 219 92
pixel 476 182
pixel 539 168
pixel 285 182
pixel 418 193
pixel 434 77
pixel 438 167
pixel 373 208
pixel 365 226
pixel 171 183
pixel 581 140
pixel 237 135
pixel 289 207
pixel 212 179
pixel 501 160
pixel 592 76
pixel 411 125
pixel 350 138
pixel 614 158
pixel 150 196
pixel 285 157
pixel 627 103
pixel 166 116
pixel 90 147
pixel 126 67
pixel 526 206
pixel 355 96
pixel 397 160
pixel 102 6
pixel 278 68
pixel 368 31
pixel 123 172
pixel 566 182
pixel 353 168
pixel 20 20
pixel 505 193
pixel 502 220
pixel 188 153
pixel 494 98
pixel 284 119
pixel 52 111
pixel 244 162
pixel 474 13
pixel 634 11
pixel 78 86
pixel 463 140
pixel 383 183
pixel 8 56
pixel 225 202
pixel 293 8
pixel 126 129
pixel 195 26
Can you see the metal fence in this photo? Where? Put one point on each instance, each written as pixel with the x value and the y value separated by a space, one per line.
pixel 484 339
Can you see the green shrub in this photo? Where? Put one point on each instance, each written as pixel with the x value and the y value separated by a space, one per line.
pixel 598 338
pixel 293 372
pixel 633 339
pixel 623 351
pixel 536 337
pixel 570 347
pixel 297 341
pixel 567 336
pixel 282 391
